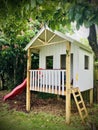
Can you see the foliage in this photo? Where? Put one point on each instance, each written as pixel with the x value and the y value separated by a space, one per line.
pixel 12 55
pixel 83 13
pixel 57 12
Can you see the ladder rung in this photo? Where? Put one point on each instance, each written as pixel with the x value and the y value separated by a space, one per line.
pixel 82 109
pixel 80 102
pixel 77 95
pixel 75 90
pixel 84 116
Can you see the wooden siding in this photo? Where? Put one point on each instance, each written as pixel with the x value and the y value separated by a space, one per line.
pixel 85 75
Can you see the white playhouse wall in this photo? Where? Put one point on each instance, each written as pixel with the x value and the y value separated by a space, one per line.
pixel 81 78
pixel 53 50
pixel 85 75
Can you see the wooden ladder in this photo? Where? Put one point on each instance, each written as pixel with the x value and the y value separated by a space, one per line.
pixel 80 103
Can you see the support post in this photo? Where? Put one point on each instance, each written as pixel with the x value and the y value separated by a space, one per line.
pixel 28 80
pixel 91 96
pixel 68 86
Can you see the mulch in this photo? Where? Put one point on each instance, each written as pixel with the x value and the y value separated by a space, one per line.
pixel 50 105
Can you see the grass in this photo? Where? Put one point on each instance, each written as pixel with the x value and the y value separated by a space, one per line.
pixel 18 120
pixel 13 120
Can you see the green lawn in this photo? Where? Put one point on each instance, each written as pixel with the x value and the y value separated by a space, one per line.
pixel 18 120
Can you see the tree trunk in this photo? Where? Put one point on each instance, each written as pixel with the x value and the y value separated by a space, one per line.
pixel 15 70
pixel 2 82
pixel 92 38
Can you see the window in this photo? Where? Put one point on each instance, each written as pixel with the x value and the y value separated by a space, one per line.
pixel 86 62
pixel 63 61
pixel 49 62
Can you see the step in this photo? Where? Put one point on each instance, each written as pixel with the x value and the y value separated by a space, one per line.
pixel 82 109
pixel 77 95
pixel 80 102
pixel 85 116
pixel 75 89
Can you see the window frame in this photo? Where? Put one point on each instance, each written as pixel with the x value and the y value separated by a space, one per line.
pixel 47 60
pixel 86 62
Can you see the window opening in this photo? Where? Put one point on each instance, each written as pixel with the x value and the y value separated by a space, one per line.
pixel 49 62
pixel 86 62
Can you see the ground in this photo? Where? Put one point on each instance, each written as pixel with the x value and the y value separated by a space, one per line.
pixel 38 103
pixel 53 105
pixel 46 106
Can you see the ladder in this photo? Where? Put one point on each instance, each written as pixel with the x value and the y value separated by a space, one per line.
pixel 80 103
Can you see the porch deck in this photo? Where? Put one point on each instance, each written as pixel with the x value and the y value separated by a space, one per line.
pixel 48 81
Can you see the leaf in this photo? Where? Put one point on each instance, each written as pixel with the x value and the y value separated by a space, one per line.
pixel 63 22
pixel 33 4
pixel 77 26
pixel 40 1
pixel 78 16
pixel 71 13
pixel 87 23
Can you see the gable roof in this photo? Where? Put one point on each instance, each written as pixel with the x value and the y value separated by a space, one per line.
pixel 47 37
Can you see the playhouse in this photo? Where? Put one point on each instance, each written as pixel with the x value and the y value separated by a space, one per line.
pixel 64 63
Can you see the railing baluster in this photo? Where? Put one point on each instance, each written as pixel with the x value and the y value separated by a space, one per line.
pixel 55 74
pixel 52 82
pixel 38 79
pixel 30 79
pixel 43 72
pixel 33 80
pixel 62 82
pixel 46 80
pixel 59 80
pixel 49 81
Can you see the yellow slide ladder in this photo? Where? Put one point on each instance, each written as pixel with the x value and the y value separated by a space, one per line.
pixel 80 103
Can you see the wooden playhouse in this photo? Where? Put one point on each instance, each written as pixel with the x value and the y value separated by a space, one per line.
pixel 64 63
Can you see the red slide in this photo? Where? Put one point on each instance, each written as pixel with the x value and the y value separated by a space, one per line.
pixel 16 91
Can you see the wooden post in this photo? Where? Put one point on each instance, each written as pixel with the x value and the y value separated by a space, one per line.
pixel 28 81
pixel 91 96
pixel 68 86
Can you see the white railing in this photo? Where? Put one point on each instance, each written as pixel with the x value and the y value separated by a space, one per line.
pixel 49 81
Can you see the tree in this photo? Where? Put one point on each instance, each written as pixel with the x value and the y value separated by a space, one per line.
pixel 92 35
pixel 56 13
pixel 14 38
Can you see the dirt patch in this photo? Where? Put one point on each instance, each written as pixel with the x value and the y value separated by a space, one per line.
pixel 49 105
